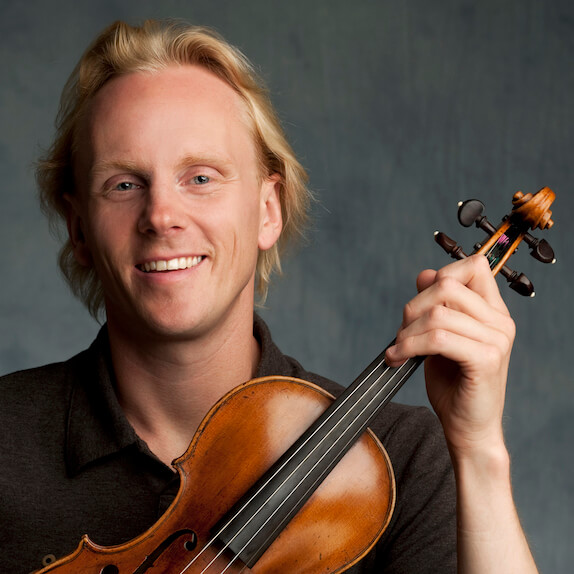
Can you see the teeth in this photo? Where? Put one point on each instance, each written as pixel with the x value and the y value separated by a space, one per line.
pixel 171 264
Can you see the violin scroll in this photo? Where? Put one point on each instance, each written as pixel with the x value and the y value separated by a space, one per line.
pixel 534 209
pixel 530 211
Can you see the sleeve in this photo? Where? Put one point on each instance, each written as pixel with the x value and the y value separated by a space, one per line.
pixel 422 534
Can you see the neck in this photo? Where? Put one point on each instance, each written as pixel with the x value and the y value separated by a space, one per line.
pixel 166 386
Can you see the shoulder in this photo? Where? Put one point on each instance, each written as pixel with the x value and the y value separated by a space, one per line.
pixel 38 381
pixel 48 375
pixel 49 378
pixel 35 401
pixel 41 392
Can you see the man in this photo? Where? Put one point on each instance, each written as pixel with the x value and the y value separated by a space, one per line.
pixel 178 190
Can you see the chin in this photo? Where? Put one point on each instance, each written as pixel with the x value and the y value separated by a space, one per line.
pixel 181 326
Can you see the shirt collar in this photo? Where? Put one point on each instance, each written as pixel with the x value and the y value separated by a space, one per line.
pixel 97 426
pixel 273 361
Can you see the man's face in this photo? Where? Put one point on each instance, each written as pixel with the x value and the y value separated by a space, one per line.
pixel 170 206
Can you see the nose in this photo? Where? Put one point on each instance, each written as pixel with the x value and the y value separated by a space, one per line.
pixel 162 213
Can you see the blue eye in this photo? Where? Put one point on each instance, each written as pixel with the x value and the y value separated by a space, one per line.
pixel 201 179
pixel 126 186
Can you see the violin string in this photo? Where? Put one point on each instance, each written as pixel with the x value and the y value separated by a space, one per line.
pixel 407 365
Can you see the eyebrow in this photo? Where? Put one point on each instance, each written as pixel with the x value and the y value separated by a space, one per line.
pixel 207 159
pixel 104 166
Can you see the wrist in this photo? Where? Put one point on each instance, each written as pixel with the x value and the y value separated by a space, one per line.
pixel 480 452
pixel 483 481
pixel 490 458
pixel 483 488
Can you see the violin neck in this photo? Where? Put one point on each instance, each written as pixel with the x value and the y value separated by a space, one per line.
pixel 261 514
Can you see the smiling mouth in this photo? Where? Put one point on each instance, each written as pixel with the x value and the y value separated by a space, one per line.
pixel 176 264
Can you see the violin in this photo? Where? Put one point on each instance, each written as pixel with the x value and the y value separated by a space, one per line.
pixel 272 508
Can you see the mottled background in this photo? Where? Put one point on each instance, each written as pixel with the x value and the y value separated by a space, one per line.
pixel 398 109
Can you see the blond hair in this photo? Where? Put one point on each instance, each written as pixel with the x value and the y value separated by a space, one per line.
pixel 122 49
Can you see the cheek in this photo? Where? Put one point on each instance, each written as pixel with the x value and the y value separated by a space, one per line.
pixel 107 236
pixel 98 237
pixel 238 242
pixel 249 226
pixel 238 219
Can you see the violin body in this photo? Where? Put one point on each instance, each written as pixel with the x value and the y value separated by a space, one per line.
pixel 239 440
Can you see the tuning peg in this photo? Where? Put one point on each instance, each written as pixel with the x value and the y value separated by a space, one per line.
pixel 540 249
pixel 518 281
pixel 449 245
pixel 470 211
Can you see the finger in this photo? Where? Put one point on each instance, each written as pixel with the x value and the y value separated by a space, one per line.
pixel 447 292
pixel 433 333
pixel 475 273
pixel 474 358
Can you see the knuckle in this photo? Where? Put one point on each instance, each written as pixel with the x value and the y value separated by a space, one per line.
pixel 446 283
pixel 441 274
pixel 511 328
pixel 506 327
pixel 436 314
pixel 493 355
pixel 438 338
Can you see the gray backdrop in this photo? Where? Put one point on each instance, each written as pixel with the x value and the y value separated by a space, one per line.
pixel 398 109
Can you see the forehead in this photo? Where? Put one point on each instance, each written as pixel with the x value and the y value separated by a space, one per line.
pixel 185 101
pixel 191 83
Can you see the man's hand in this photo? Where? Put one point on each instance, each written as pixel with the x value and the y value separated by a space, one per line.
pixel 461 323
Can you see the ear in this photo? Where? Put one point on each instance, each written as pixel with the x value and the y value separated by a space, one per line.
pixel 74 223
pixel 271 219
